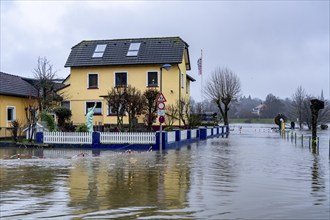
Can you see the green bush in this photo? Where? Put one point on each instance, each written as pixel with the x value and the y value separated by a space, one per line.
pixel 169 128
pixel 82 128
pixel 63 119
pixel 49 120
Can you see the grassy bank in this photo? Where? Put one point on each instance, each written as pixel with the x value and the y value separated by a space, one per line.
pixel 252 120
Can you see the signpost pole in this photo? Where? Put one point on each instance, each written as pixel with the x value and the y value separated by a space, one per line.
pixel 162 99
pixel 161 124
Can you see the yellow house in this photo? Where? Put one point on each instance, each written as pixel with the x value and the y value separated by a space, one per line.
pixel 15 95
pixel 97 66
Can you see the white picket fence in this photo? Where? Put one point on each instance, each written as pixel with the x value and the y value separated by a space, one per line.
pixel 128 137
pixel 171 136
pixel 209 131
pixel 68 137
pixel 184 135
pixel 214 131
pixel 194 133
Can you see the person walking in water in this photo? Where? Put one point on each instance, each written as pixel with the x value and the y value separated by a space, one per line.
pixel 89 118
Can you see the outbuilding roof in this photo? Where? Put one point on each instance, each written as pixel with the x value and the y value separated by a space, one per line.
pixel 116 52
pixel 16 86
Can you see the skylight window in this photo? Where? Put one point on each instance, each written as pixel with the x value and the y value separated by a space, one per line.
pixel 99 50
pixel 133 49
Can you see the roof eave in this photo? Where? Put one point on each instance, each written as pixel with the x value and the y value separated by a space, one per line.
pixel 190 78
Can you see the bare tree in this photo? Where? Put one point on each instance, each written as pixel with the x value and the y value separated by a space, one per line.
pixel 44 82
pixel 298 99
pixel 223 87
pixel 135 103
pixel 117 103
pixel 172 114
pixel 192 114
pixel 151 106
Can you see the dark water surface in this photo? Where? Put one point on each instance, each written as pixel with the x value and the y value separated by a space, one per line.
pixel 254 174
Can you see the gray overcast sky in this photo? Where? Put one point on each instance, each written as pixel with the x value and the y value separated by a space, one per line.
pixel 273 46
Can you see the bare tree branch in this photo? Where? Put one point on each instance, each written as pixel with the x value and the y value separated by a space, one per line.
pixel 222 88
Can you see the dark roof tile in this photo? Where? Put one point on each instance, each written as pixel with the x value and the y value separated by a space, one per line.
pixel 151 51
pixel 16 86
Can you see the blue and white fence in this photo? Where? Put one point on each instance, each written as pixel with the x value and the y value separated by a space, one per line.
pixel 67 137
pixel 127 137
pixel 131 139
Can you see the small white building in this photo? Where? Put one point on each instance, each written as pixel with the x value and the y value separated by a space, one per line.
pixel 39 128
pixel 256 110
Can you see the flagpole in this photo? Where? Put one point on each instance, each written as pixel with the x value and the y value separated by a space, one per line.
pixel 201 72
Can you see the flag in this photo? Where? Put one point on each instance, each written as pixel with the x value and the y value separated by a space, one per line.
pixel 200 67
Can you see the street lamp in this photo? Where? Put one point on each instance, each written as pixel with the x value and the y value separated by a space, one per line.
pixel 167 67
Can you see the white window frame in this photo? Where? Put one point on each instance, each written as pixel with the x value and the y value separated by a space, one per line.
pixel 114 77
pixel 132 50
pixel 94 101
pixel 152 71
pixel 113 113
pixel 182 107
pixel 98 81
pixel 99 53
pixel 13 116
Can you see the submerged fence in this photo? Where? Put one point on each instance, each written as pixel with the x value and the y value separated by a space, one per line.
pixel 142 139
pixel 127 137
pixel 67 137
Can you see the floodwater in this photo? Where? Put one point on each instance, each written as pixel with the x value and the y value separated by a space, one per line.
pixel 253 174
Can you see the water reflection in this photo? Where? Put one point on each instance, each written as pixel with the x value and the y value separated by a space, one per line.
pixel 250 175
pixel 138 179
pixel 318 184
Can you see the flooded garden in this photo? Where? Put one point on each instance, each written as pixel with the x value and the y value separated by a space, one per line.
pixel 253 174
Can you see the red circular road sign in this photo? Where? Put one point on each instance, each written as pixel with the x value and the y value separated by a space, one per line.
pixel 161 119
pixel 161 105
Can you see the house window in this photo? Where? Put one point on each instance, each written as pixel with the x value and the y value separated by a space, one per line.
pixel 182 107
pixel 152 79
pixel 182 81
pixel 99 50
pixel 187 86
pixel 121 79
pixel 133 49
pixel 93 81
pixel 112 111
pixel 11 113
pixel 98 108
pixel 65 104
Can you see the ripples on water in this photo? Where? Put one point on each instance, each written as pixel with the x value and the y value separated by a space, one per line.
pixel 254 174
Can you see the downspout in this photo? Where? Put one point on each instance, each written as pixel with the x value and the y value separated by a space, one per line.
pixel 179 96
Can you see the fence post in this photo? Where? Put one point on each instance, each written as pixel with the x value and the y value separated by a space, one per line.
pixel 203 133
pixel 157 140
pixel 189 134
pixel 177 135
pixel 165 139
pixel 40 137
pixel 96 139
pixel 302 140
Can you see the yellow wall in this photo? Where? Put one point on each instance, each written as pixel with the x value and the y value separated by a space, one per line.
pixel 19 103
pixel 78 93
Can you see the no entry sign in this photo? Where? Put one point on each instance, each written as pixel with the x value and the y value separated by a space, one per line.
pixel 161 105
